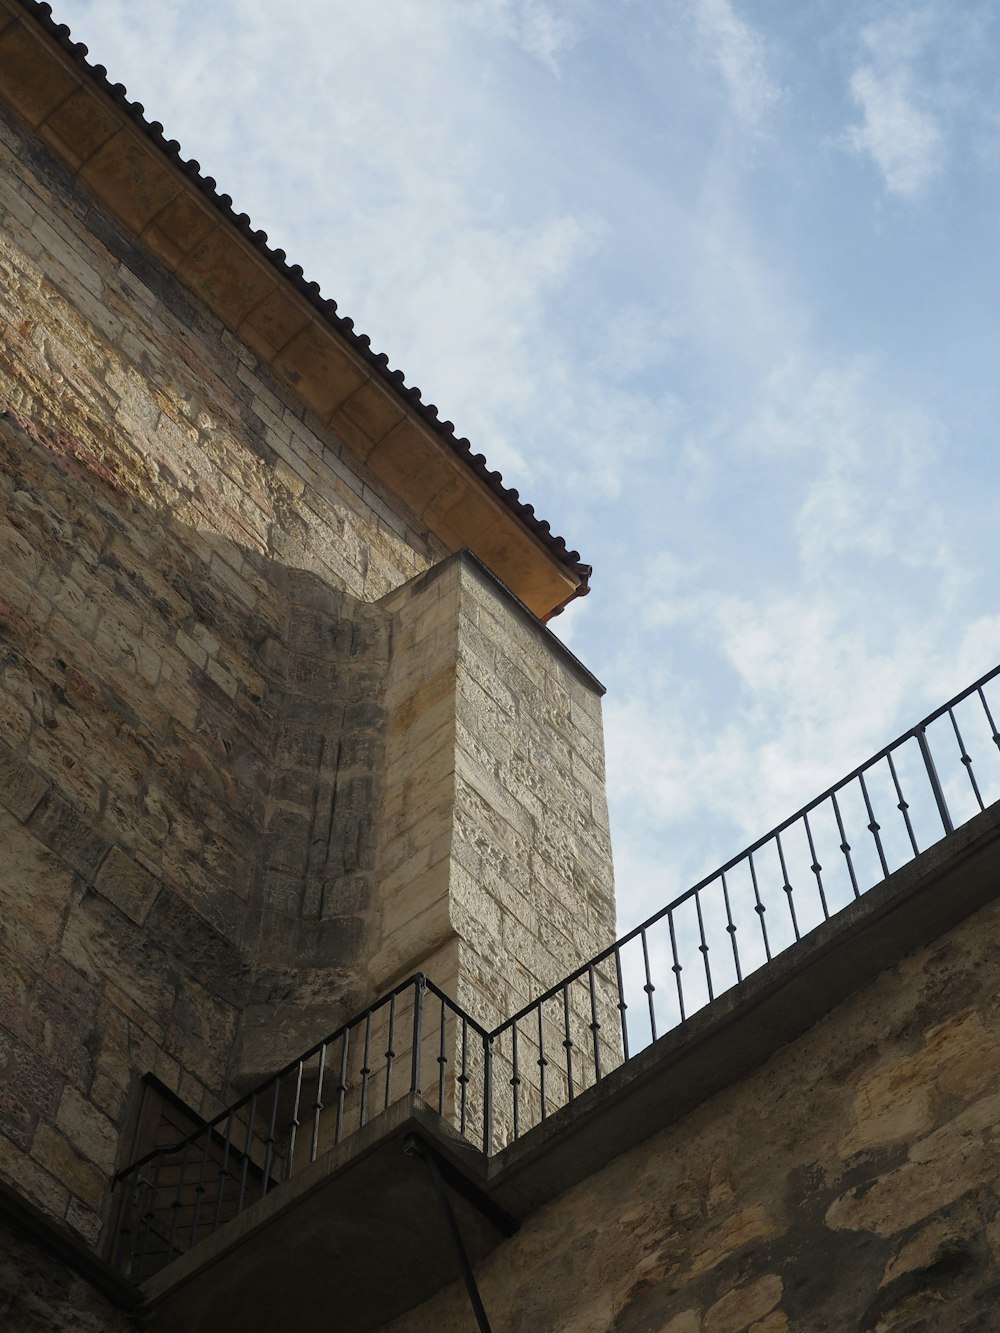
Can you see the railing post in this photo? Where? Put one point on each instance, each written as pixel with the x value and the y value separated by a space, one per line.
pixel 925 750
pixel 487 1094
pixel 420 986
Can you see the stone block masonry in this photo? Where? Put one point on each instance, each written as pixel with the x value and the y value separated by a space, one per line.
pixel 490 838
pixel 851 1183
pixel 263 747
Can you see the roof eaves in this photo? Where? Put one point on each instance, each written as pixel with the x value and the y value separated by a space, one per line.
pixel 326 307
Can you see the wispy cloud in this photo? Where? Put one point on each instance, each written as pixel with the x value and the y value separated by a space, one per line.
pixel 901 128
pixel 545 29
pixel 738 53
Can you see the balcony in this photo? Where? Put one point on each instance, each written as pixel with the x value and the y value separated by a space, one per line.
pixel 315 1186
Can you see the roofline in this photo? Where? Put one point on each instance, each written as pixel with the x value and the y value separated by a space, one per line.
pixel 326 307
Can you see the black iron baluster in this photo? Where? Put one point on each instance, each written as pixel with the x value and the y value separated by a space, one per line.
pixel 676 966
pixel 649 988
pixel 932 776
pixel 989 717
pixel 176 1206
pixel 365 1069
pixel 269 1141
pixel 442 1061
pixel 567 1042
pixel 731 928
pixel 816 868
pixel 390 1054
pixel 293 1124
pixel 760 909
pixel 154 1189
pixel 345 1045
pixel 845 846
pixel 515 1081
pixel 595 1026
pixel 786 885
pixel 542 1062
pixel 463 1078
pixel 127 1212
pixel 418 1022
pixel 966 758
pixel 901 805
pixel 199 1189
pixel 703 946
pixel 487 1094
pixel 247 1147
pixel 318 1103
pixel 223 1171
pixel 622 1006
pixel 874 826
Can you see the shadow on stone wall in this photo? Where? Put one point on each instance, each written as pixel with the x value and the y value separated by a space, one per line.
pixel 191 740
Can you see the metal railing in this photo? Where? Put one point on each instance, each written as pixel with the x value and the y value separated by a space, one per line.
pixel 494 1086
pixel 414 1039
pixel 710 938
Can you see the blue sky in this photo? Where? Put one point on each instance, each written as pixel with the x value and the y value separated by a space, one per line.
pixel 714 283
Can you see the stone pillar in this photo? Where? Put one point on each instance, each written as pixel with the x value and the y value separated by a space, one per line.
pixel 493 855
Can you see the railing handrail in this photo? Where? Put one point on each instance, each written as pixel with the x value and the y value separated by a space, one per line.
pixel 417 979
pixel 660 913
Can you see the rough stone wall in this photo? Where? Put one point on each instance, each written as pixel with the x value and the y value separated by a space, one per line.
pixel 254 763
pixel 186 669
pixel 852 1183
pixel 533 846
pixel 494 859
pixel 494 825
pixel 39 1294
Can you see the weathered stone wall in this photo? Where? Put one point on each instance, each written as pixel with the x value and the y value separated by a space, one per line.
pixel 255 763
pixel 852 1183
pixel 41 1293
pixel 187 664
pixel 37 1295
pixel 494 854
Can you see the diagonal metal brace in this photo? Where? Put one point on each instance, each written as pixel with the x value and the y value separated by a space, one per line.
pixel 437 1167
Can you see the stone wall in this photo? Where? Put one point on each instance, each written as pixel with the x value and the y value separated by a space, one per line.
pixel 494 824
pixel 186 670
pixel 37 1295
pixel 851 1183
pixel 42 1289
pixel 255 761
pixel 494 859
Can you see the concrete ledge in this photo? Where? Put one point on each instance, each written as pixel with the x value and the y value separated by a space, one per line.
pixel 352 1241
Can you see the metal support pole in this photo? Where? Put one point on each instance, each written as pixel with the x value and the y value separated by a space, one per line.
pixel 414 1148
pixel 935 781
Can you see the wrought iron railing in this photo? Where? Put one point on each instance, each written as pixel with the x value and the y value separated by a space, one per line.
pixel 414 1039
pixel 494 1086
pixel 735 920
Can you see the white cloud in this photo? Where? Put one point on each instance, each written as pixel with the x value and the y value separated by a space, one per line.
pixel 905 141
pixel 901 127
pixel 545 29
pixel 872 463
pixel 739 55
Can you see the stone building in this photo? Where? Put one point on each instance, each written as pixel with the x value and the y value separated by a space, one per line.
pixel 309 994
